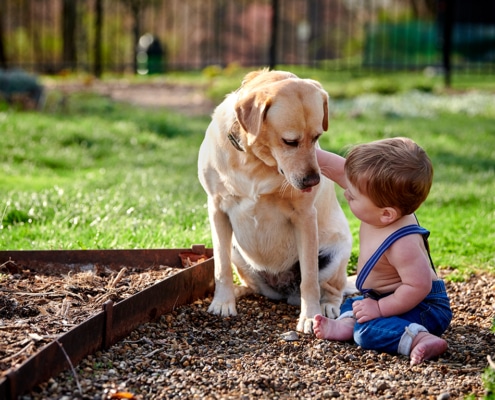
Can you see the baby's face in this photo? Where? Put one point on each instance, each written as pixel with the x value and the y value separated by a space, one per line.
pixel 361 205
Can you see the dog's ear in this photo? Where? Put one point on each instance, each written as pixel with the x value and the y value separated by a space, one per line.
pixel 253 74
pixel 251 111
pixel 325 101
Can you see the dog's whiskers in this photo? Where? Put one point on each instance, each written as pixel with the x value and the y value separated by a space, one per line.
pixel 286 185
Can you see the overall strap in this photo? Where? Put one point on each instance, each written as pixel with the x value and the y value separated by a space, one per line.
pixel 404 231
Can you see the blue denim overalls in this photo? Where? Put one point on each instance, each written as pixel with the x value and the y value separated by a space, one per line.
pixel 395 334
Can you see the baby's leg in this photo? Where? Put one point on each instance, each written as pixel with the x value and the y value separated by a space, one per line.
pixel 426 346
pixel 331 329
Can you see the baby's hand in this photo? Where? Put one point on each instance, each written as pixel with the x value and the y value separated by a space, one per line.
pixel 366 310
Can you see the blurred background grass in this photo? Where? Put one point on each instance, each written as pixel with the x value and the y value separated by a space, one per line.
pixel 89 172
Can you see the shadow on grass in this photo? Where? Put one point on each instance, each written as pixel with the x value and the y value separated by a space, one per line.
pixel 161 122
pixel 468 162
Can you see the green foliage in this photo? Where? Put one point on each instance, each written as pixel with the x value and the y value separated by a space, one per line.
pixel 401 43
pixel 488 378
pixel 103 365
pixel 15 216
pixel 212 71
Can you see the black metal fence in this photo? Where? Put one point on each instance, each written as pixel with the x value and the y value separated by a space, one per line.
pixel 54 36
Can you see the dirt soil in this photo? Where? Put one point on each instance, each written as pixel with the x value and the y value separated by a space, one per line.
pixel 186 99
pixel 35 308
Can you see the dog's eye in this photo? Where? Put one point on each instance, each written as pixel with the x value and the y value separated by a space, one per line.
pixel 291 143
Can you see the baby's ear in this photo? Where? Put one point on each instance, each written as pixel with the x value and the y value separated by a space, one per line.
pixel 389 215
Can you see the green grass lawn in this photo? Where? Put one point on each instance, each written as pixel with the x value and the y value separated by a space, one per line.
pixel 95 174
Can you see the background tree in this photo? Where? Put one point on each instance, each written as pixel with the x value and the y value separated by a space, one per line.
pixel 3 56
pixel 98 64
pixel 69 29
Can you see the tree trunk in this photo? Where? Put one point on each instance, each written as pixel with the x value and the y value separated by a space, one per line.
pixel 316 50
pixel 69 20
pixel 3 56
pixel 273 40
pixel 98 67
pixel 136 30
pixel 220 29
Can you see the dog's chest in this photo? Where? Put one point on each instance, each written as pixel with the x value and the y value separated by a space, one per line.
pixel 254 203
pixel 258 227
pixel 240 184
pixel 253 211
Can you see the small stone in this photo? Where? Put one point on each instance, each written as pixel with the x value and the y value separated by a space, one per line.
pixel 330 394
pixel 443 396
pixel 290 336
pixel 382 387
pixel 294 385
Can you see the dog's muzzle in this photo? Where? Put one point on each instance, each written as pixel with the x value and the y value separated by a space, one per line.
pixel 310 180
pixel 306 182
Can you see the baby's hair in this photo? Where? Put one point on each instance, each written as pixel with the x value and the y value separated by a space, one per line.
pixel 392 172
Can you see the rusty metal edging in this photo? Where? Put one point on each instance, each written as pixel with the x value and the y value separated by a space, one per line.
pixel 116 321
pixel 137 258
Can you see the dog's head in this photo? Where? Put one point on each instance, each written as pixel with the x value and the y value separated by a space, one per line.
pixel 282 118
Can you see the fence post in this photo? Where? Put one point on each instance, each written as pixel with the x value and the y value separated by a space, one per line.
pixel 3 57
pixel 97 44
pixel 447 7
pixel 69 26
pixel 273 40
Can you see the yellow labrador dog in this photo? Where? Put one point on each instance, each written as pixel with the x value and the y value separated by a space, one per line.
pixel 273 216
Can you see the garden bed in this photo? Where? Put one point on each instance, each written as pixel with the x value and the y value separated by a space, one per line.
pixel 57 306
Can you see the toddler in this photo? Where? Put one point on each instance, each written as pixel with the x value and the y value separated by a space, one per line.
pixel 403 306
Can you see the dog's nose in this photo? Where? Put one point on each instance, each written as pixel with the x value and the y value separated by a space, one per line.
pixel 311 180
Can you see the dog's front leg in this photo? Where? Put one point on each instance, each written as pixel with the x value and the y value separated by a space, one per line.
pixel 223 302
pixel 308 260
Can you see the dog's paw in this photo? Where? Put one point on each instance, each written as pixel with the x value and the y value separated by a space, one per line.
pixel 224 309
pixel 241 291
pixel 305 325
pixel 330 310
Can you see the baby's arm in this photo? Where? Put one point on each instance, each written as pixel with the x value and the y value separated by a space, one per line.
pixel 408 256
pixel 332 166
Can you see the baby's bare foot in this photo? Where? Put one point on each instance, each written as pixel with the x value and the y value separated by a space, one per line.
pixel 331 329
pixel 426 346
